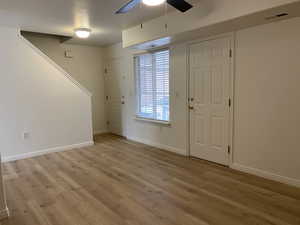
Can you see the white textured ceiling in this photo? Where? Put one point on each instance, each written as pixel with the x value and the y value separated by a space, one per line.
pixel 63 16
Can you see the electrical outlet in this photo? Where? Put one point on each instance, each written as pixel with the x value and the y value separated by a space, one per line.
pixel 26 135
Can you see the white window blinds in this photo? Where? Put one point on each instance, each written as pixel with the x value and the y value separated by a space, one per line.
pixel 152 85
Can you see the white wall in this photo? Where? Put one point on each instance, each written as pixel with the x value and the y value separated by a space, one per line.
pixel 37 98
pixel 267 96
pixel 86 67
pixel 172 137
pixel 266 113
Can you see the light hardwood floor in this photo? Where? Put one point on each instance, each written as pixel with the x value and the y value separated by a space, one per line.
pixel 119 182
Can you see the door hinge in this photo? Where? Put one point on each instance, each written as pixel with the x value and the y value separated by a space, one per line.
pixel 105 70
pixel 228 149
pixel 106 97
pixel 229 102
pixel 230 53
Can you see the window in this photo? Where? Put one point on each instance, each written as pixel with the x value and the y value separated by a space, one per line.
pixel 152 85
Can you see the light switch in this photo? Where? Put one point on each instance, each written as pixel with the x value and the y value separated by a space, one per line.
pixel 68 54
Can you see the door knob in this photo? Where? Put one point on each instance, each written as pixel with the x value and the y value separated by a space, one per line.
pixel 122 102
pixel 191 107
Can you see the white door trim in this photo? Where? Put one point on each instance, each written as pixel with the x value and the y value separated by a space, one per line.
pixel 231 37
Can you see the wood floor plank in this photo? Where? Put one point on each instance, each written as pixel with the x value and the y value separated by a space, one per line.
pixel 121 182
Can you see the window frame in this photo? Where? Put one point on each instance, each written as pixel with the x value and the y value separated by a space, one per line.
pixel 137 98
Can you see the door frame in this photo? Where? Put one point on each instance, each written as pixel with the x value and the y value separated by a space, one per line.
pixel 231 37
pixel 108 64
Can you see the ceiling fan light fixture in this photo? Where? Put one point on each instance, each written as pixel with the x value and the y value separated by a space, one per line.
pixel 83 32
pixel 180 5
pixel 153 2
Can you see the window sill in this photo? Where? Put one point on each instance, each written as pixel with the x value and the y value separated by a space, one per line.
pixel 168 123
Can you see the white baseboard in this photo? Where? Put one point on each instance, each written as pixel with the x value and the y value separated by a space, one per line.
pixel 4 213
pixel 267 175
pixel 158 145
pixel 46 151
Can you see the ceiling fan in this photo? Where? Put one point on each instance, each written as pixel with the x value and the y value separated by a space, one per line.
pixel 180 5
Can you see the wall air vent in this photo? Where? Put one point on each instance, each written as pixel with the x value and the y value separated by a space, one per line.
pixel 277 16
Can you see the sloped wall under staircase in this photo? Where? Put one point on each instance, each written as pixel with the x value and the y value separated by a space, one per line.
pixel 42 108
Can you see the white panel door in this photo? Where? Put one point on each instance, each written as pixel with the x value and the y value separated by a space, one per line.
pixel 209 100
pixel 115 79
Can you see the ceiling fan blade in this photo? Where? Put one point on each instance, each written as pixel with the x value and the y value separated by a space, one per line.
pixel 128 6
pixel 181 5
